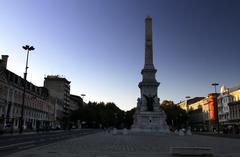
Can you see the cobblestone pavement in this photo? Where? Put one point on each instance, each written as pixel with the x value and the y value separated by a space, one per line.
pixel 132 145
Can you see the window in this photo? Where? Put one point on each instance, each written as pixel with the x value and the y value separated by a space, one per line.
pixel 22 82
pixel 16 79
pixel 236 98
pixel 33 88
pixel 11 77
pixel 28 85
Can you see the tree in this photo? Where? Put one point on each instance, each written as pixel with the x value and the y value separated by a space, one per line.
pixel 176 117
pixel 97 115
pixel 129 118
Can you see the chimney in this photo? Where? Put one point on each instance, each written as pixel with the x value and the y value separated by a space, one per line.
pixel 4 61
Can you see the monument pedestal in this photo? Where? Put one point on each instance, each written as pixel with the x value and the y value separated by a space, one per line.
pixel 150 122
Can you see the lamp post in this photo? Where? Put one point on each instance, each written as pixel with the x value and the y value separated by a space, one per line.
pixel 215 86
pixel 216 104
pixel 28 49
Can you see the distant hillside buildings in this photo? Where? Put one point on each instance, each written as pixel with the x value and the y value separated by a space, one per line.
pixel 44 108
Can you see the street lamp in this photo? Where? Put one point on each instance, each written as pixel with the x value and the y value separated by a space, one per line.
pixel 28 49
pixel 216 105
pixel 215 86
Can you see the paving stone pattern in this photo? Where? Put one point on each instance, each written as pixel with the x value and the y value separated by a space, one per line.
pixel 131 145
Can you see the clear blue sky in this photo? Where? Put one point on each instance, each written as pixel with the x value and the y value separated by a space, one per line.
pixel 99 45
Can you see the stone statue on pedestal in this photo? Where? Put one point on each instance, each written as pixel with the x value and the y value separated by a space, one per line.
pixel 150 102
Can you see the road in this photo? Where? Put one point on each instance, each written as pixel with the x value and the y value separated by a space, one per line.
pixel 14 143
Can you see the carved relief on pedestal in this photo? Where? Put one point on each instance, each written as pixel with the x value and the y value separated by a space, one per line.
pixel 150 102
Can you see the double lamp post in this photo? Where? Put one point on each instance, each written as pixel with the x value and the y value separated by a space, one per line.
pixel 21 122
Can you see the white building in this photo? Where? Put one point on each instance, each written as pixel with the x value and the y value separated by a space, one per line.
pixel 229 108
pixel 223 108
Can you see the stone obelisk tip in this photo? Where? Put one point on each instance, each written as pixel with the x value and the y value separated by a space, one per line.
pixel 148 18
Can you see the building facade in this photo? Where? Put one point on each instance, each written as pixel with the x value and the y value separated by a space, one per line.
pixel 199 114
pixel 58 112
pixel 75 102
pixel 229 109
pixel 202 112
pixel 38 111
pixel 185 104
pixel 59 88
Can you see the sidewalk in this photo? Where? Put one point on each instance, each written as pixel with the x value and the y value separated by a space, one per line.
pixel 131 145
pixel 218 135
pixel 32 132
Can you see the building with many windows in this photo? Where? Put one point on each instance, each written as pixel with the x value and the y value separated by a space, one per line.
pixel 59 88
pixel 38 111
pixel 185 104
pixel 229 109
pixel 199 114
pixel 202 112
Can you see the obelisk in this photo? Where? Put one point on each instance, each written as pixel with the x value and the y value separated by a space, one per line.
pixel 148 44
pixel 149 117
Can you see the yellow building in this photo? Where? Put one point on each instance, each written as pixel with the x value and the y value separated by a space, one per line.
pixel 199 112
pixel 185 105
pixel 201 104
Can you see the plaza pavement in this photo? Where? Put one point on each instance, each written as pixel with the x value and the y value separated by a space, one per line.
pixel 105 144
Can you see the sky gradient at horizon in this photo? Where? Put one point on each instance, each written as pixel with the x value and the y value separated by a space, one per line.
pixel 99 45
